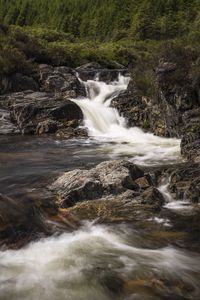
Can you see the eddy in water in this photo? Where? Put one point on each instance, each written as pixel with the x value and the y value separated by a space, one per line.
pixel 105 125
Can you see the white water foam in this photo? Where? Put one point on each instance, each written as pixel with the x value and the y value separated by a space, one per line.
pixel 74 266
pixel 106 126
pixel 183 206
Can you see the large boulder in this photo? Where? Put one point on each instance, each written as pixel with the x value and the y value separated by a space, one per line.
pixel 41 112
pixel 61 80
pixel 116 180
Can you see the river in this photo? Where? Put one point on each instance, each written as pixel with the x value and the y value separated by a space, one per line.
pixel 142 260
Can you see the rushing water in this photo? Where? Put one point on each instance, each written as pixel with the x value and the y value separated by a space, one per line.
pixel 106 125
pixel 96 262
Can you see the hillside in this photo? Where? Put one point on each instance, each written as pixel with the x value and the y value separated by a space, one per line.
pixel 144 19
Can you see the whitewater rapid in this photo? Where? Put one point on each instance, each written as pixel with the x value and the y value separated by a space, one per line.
pixel 106 126
pixel 82 265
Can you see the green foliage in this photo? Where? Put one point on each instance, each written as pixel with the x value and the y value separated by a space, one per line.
pixel 134 33
pixel 105 19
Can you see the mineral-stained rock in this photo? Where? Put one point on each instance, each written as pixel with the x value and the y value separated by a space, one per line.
pixel 112 180
pixel 30 111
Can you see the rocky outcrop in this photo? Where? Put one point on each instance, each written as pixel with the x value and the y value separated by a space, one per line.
pixel 113 180
pixel 60 80
pixel 185 182
pixel 171 111
pixel 41 112
pixel 93 70
pixel 167 112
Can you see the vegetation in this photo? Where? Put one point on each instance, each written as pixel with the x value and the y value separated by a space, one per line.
pixel 105 19
pixel 133 33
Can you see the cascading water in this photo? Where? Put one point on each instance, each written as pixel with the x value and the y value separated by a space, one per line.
pixel 104 124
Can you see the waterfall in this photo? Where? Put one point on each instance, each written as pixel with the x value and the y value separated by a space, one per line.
pixel 105 125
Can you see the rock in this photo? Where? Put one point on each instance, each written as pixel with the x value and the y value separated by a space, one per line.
pixel 18 219
pixel 90 71
pixel 153 196
pixel 17 83
pixel 41 112
pixel 61 80
pixel 113 180
pixel 190 144
pixel 90 66
pixel 47 126
pixel 6 126
pixel 172 107
pixel 185 181
pixel 70 132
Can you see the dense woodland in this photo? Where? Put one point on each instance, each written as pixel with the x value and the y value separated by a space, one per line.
pixel 72 32
pixel 144 19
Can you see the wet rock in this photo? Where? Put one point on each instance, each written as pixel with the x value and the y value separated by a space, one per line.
pixel 18 219
pixel 153 196
pixel 24 220
pixel 171 110
pixel 185 182
pixel 41 112
pixel 47 126
pixel 61 80
pixel 190 143
pixel 6 126
pixel 18 82
pixel 93 70
pixel 70 132
pixel 112 180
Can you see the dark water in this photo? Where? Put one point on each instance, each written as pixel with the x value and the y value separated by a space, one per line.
pixel 26 162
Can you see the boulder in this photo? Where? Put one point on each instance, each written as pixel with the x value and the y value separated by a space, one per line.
pixel 18 219
pixel 61 80
pixel 185 181
pixel 116 180
pixel 41 112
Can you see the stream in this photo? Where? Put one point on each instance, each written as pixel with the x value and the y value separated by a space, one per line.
pixel 154 259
